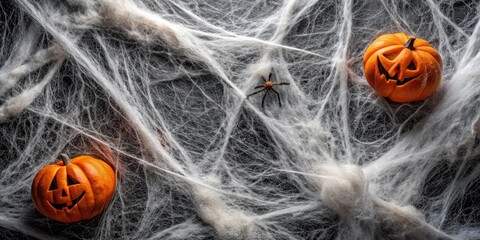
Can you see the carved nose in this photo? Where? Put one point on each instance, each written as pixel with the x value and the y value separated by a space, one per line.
pixel 64 194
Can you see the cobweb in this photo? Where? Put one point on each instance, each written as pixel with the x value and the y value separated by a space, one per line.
pixel 164 85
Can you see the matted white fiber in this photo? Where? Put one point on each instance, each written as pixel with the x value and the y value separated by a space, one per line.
pixel 164 83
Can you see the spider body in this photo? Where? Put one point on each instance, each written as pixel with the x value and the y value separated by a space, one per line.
pixel 268 86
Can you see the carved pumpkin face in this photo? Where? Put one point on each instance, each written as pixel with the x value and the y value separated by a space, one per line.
pixel 71 191
pixel 402 67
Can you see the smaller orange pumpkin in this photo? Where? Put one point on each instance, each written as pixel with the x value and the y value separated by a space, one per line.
pixel 402 67
pixel 72 191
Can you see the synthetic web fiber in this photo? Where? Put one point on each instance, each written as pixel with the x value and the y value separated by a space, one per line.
pixel 163 84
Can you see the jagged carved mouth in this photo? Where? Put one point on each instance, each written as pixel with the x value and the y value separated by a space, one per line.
pixel 64 205
pixel 385 72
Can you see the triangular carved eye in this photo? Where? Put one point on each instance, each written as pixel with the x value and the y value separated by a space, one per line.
pixel 411 66
pixel 53 185
pixel 71 181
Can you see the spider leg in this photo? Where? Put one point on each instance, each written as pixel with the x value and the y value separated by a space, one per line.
pixel 263 99
pixel 282 83
pixel 278 96
pixel 258 87
pixel 264 79
pixel 255 93
pixel 269 76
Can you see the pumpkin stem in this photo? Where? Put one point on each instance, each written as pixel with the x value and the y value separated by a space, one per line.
pixel 65 159
pixel 409 44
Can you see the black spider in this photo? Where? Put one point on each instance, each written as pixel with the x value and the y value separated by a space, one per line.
pixel 268 85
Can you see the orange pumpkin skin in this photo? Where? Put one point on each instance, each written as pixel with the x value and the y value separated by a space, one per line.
pixel 402 67
pixel 72 191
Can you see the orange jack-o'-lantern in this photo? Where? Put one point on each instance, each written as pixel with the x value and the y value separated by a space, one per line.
pixel 402 67
pixel 73 190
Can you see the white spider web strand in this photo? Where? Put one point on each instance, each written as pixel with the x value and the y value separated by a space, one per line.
pixel 164 85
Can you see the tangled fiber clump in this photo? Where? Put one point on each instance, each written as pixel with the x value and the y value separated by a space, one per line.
pixel 164 84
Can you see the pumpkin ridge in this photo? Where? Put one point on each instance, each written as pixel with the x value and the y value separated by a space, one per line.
pixel 77 170
pixel 429 58
pixel 80 162
pixel 91 178
pixel 431 89
pixel 424 51
pixel 112 179
pixel 105 179
pixel 393 37
pixel 402 37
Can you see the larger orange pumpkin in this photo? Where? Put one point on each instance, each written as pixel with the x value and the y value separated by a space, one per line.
pixel 402 67
pixel 71 191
